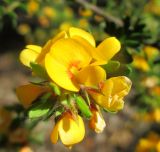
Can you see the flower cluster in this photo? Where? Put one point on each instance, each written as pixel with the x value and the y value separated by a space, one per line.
pixel 149 143
pixel 71 83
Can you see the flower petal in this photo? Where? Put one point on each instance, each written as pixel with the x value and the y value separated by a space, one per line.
pixel 48 45
pixel 107 49
pixel 67 51
pixel 122 86
pixel 91 76
pixel 58 74
pixel 28 93
pixel 88 47
pixel 113 92
pixel 30 54
pixel 71 131
pixel 54 134
pixel 103 99
pixel 97 122
pixel 79 32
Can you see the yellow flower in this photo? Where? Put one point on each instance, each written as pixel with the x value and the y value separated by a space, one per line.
pixel 151 142
pixel 153 6
pixel 140 63
pixel 32 6
pixel 151 51
pixel 85 12
pixel 24 29
pixel 49 12
pixel 113 91
pixel 29 93
pixel 97 122
pixel 72 58
pixel 26 149
pixel 156 90
pixel 153 116
pixel 68 62
pixel 69 130
pixel 44 21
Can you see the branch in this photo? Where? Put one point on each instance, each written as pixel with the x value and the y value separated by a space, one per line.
pixel 100 12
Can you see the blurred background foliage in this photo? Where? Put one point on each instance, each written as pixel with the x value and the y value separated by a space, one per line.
pixel 135 23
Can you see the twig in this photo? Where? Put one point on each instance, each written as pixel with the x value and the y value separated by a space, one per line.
pixel 100 12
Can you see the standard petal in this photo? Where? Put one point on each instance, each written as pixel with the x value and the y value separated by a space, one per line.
pixel 91 76
pixel 88 47
pixel 48 45
pixel 30 54
pixel 71 131
pixel 58 73
pixel 68 51
pixel 107 49
pixel 79 32
pixel 28 93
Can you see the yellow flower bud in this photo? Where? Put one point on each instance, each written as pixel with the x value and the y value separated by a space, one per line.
pixel 97 122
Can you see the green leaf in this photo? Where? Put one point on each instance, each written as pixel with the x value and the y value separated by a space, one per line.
pixel 40 110
pixel 111 66
pixel 39 70
pixel 83 107
pixel 37 80
pixel 55 88
pixel 124 70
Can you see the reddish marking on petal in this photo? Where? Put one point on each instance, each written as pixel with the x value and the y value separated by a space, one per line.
pixel 73 66
pixel 101 85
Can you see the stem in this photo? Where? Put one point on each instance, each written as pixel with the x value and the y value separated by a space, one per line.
pixel 100 12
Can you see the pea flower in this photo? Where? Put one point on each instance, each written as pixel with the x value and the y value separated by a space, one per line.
pixel 150 51
pixel 113 91
pixel 150 143
pixel 79 62
pixel 97 122
pixel 70 64
pixel 69 130
pixel 140 63
pixel 71 57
